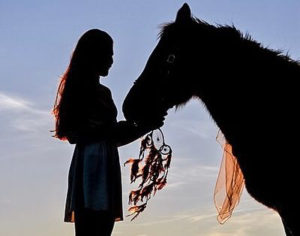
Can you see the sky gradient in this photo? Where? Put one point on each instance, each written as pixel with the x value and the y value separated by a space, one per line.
pixel 36 40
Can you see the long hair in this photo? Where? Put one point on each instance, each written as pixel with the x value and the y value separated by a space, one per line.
pixel 74 84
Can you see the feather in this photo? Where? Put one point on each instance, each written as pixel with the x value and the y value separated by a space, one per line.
pixel 154 171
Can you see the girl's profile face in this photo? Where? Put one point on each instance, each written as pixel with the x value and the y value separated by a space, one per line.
pixel 106 60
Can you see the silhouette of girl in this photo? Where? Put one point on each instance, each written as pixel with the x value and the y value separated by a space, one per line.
pixel 86 116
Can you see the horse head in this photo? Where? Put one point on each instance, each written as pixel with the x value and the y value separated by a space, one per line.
pixel 165 82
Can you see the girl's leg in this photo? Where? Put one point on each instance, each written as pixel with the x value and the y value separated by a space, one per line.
pixel 93 223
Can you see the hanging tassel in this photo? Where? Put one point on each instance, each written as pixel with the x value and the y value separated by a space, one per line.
pixel 156 156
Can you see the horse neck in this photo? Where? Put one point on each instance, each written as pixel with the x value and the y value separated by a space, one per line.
pixel 218 74
pixel 213 65
pixel 229 79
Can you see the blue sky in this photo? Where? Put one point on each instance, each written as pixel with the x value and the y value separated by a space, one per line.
pixel 36 40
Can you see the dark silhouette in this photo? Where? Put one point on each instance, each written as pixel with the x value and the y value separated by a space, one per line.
pixel 86 116
pixel 250 92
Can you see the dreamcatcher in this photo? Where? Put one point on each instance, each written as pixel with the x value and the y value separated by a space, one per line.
pixel 151 168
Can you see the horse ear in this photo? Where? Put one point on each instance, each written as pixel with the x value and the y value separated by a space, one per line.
pixel 184 14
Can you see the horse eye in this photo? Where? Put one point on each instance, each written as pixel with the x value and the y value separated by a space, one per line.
pixel 171 58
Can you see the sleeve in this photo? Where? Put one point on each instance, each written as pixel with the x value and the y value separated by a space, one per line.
pixel 120 133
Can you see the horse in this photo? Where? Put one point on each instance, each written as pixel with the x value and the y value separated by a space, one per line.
pixel 250 92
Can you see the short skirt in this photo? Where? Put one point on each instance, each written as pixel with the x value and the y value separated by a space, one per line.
pixel 95 180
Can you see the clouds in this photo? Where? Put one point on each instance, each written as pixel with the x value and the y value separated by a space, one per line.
pixel 33 168
pixel 256 221
pixel 13 104
pixel 194 120
pixel 203 221
pixel 22 115
pixel 25 128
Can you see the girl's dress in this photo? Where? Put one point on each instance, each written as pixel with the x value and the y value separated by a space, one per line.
pixel 94 175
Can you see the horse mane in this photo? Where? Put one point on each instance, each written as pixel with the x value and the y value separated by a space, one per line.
pixel 230 32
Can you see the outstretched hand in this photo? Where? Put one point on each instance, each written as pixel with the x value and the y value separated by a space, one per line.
pixel 127 132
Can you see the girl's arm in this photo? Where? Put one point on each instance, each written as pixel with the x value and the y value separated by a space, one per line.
pixel 126 132
pixel 121 133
